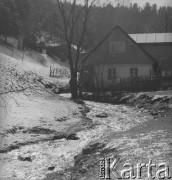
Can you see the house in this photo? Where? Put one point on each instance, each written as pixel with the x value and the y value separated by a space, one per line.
pixel 119 57
pixel 159 45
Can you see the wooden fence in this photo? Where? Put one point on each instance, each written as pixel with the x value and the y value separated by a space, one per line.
pixel 142 84
pixel 59 72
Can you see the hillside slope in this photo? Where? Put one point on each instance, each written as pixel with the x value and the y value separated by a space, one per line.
pixel 31 115
pixel 36 61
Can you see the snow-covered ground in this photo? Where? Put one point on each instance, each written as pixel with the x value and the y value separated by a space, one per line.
pixel 47 136
pixel 29 60
pixel 31 116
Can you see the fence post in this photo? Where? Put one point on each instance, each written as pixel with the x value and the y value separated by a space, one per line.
pixel 132 84
pixel 12 51
pixel 50 72
pixel 23 56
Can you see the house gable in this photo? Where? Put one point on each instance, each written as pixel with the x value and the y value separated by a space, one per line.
pixel 131 53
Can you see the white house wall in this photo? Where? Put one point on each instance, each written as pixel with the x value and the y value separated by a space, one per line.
pixel 122 71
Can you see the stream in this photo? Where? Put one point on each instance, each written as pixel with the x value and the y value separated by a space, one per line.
pixel 107 131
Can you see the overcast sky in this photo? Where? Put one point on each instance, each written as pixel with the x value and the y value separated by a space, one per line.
pixel 158 2
pixel 139 2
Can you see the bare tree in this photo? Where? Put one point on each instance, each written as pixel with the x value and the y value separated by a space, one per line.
pixel 74 19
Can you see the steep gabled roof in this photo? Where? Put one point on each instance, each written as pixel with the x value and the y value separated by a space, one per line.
pixel 152 38
pixel 108 34
pixel 140 47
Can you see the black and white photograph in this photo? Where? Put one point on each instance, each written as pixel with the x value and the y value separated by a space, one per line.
pixel 85 89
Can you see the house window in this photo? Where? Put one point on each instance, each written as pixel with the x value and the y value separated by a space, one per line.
pixel 133 72
pixel 117 47
pixel 150 72
pixel 111 73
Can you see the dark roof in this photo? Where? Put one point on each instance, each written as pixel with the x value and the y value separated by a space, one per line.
pixel 152 37
pixel 108 34
pixel 151 57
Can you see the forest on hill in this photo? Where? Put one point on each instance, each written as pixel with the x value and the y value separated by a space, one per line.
pixel 29 18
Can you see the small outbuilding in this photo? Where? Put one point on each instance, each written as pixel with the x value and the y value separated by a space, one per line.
pixel 159 46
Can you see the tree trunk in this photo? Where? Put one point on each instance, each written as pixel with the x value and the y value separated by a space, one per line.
pixel 80 85
pixel 74 85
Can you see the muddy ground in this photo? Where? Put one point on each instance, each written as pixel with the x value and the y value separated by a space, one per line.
pixel 133 135
pixel 45 136
pixel 51 138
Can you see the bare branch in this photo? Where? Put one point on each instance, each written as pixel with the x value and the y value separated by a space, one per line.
pixel 67 36
pixel 71 25
pixel 96 47
pixel 87 12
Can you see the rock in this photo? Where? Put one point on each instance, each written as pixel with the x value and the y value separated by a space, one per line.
pixel 75 113
pixel 62 119
pixel 49 86
pixel 51 168
pixel 92 148
pixel 102 115
pixel 141 106
pixel 154 113
pixel 78 101
pixel 28 158
pixel 72 137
